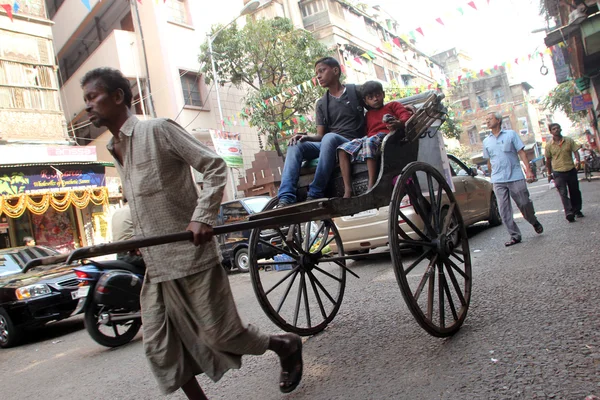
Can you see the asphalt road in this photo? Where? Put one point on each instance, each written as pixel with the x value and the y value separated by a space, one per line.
pixel 532 332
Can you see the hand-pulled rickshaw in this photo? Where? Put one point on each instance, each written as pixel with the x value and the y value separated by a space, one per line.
pixel 304 293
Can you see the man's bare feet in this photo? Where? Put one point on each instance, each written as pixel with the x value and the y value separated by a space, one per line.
pixel 347 194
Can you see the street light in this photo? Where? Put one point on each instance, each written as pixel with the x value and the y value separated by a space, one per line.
pixel 248 8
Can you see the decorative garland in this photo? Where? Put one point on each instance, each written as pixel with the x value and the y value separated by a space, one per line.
pixel 60 201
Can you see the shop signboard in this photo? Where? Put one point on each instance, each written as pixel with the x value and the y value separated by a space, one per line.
pixel 50 178
pixel 228 146
pixel 582 102
pixel 560 60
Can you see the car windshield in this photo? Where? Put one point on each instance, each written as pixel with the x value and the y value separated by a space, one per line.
pixel 257 204
pixel 8 265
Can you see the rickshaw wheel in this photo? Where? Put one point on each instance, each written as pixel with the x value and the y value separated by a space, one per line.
pixel 424 216
pixel 299 290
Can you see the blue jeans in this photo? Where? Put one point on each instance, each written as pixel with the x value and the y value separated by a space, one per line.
pixel 325 151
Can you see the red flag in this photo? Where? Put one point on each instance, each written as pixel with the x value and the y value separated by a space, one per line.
pixel 529 55
pixel 517 61
pixel 379 50
pixel 357 59
pixel 472 4
pixel 496 67
pixel 314 81
pixel 397 42
pixel 447 82
pixel 420 31
pixel 429 87
pixel 481 72
pixel 140 1
pixel 440 21
pixel 343 69
pixel 8 9
pixel 459 78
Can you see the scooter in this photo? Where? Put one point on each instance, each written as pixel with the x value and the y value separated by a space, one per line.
pixel 109 297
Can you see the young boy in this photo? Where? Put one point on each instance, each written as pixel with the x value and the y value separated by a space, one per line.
pixel 367 147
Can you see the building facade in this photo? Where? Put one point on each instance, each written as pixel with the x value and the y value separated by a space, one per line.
pixel 477 96
pixel 156 46
pixel 50 189
pixel 575 45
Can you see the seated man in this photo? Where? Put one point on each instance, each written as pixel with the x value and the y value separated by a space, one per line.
pixel 340 118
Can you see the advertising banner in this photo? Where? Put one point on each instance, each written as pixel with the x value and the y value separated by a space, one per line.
pixel 47 178
pixel 228 146
pixel 582 103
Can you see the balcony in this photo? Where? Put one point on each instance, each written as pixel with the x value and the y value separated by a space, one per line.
pixel 68 19
pixel 119 50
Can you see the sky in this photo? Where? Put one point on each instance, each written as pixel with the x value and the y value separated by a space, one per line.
pixel 494 33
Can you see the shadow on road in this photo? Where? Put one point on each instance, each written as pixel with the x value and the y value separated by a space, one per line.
pixel 53 331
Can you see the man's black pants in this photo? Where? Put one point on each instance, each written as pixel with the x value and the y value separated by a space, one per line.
pixel 568 181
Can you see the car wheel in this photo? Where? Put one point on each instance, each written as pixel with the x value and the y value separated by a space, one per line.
pixel 495 219
pixel 10 335
pixel 242 260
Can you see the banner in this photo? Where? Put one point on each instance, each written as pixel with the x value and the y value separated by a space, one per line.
pixel 41 179
pixel 229 147
pixel 582 102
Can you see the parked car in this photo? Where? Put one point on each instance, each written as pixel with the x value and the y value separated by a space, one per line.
pixel 369 229
pixel 29 300
pixel 234 246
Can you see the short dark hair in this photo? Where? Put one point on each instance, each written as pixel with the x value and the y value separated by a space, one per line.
pixel 111 80
pixel 552 125
pixel 329 61
pixel 27 239
pixel 371 87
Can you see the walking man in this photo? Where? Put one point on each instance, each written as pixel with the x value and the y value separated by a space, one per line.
pixel 503 148
pixel 559 161
pixel 190 321
pixel 340 118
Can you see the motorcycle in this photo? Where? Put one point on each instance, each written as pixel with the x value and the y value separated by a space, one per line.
pixel 109 297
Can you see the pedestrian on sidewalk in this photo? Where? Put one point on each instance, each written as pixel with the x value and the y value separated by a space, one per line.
pixel 503 148
pixel 559 161
pixel 190 321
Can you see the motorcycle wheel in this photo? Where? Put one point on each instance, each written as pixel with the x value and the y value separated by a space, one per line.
pixel 112 334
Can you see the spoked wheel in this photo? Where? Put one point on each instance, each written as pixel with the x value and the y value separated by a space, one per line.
pixel 436 283
pixel 298 287
pixel 587 172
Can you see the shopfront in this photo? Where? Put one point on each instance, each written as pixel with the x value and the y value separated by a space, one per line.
pixel 63 205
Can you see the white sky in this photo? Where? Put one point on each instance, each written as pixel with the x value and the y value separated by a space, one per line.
pixel 492 34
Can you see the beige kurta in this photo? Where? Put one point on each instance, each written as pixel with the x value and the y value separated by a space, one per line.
pixel 189 317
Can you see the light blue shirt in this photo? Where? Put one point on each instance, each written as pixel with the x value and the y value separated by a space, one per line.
pixel 502 153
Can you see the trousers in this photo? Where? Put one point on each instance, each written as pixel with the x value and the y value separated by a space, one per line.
pixel 567 185
pixel 325 151
pixel 518 191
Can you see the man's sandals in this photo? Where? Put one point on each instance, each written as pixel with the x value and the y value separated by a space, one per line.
pixel 512 242
pixel 291 369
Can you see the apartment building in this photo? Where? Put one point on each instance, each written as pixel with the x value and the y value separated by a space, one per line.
pixel 366 40
pixel 50 189
pixel 156 46
pixel 475 97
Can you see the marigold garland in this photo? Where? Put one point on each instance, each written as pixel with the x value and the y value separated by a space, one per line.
pixel 60 201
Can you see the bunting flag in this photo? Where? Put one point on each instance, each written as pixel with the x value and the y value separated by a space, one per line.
pixel 420 31
pixel 87 5
pixel 15 7
pixel 357 59
pixel 379 50
pixel 461 11
pixel 397 42
pixel 9 10
pixel 439 20
pixel 472 4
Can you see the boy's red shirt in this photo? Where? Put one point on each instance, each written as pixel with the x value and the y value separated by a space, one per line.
pixel 374 123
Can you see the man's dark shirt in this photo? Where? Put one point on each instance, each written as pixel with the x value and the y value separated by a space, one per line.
pixel 344 120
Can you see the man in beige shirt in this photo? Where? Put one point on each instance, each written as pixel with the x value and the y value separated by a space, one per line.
pixel 191 324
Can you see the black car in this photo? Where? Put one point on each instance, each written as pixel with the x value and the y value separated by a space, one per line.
pixel 234 246
pixel 29 300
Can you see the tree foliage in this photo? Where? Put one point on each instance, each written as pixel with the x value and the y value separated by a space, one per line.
pixel 267 58
pixel 560 99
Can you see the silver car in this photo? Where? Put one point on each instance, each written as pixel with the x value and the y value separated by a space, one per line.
pixel 369 229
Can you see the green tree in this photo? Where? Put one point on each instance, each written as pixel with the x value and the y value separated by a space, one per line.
pixel 452 128
pixel 560 99
pixel 463 153
pixel 268 58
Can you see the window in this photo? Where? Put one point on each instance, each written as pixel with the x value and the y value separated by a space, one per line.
pixel 466 104
pixel 498 94
pixel 407 79
pixel 256 204
pixel 233 212
pixel 178 10
pixel 482 101
pixel 380 72
pixel 190 87
pixel 457 169
pixel 313 7
pixel 473 135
